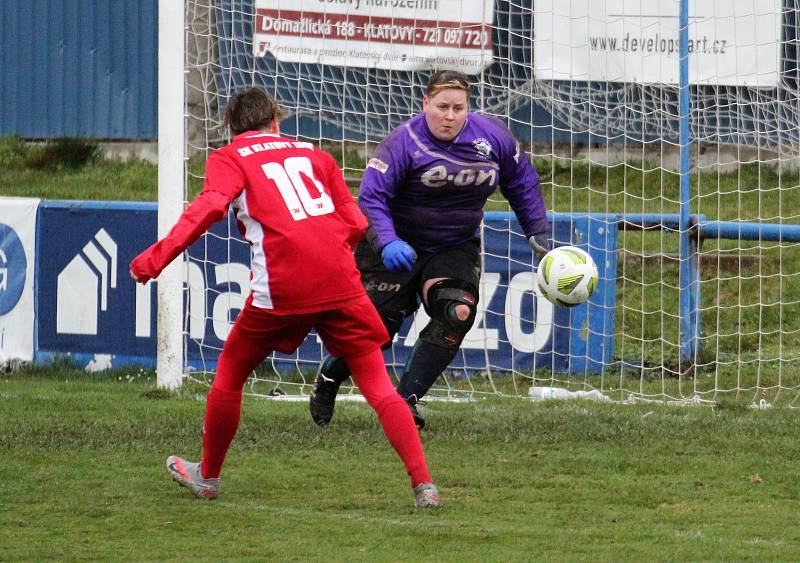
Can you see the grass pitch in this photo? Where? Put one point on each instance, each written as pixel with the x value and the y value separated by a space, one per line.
pixel 82 477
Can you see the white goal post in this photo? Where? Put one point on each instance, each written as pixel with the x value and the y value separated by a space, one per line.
pixel 669 150
pixel 171 192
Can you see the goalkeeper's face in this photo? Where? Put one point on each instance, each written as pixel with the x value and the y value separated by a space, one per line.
pixel 445 112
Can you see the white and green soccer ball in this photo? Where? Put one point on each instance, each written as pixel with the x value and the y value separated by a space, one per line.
pixel 567 276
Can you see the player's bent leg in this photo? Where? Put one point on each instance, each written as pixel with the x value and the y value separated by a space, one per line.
pixel 369 373
pixel 332 373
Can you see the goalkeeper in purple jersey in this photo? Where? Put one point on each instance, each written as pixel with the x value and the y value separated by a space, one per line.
pixel 423 193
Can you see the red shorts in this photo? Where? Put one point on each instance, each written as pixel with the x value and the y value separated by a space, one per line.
pixel 352 328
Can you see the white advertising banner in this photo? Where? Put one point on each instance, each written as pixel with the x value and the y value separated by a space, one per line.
pixel 17 258
pixel 388 34
pixel 731 42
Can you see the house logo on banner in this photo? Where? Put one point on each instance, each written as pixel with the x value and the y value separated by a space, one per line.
pixel 13 265
pixel 83 286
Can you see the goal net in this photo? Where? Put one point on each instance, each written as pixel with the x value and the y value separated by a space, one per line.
pixel 697 241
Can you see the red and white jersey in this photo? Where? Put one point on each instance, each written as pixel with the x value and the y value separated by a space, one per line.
pixel 294 208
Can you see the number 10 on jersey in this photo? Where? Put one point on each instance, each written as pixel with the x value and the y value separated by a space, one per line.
pixel 293 188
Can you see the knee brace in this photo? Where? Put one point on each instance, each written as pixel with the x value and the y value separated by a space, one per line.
pixel 446 329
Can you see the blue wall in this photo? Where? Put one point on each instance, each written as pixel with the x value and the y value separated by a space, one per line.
pixel 79 68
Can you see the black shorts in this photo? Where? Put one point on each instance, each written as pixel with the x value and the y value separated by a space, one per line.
pixel 397 295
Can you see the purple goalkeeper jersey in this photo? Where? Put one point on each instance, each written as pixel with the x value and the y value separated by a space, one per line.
pixel 431 193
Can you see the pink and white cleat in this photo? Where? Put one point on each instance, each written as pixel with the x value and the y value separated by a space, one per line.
pixel 187 474
pixel 426 495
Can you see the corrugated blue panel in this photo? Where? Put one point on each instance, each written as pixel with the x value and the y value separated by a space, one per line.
pixel 79 68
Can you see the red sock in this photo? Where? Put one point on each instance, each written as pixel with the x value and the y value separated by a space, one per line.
pixel 223 409
pixel 242 352
pixel 369 373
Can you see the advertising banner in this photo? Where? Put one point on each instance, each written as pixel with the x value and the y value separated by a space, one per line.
pixel 88 304
pixel 730 43
pixel 90 308
pixel 389 34
pixel 17 263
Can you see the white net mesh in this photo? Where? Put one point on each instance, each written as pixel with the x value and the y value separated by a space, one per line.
pixel 602 147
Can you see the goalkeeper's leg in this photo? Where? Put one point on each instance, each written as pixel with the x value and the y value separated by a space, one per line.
pixel 332 373
pixel 422 369
pixel 394 295
pixel 452 306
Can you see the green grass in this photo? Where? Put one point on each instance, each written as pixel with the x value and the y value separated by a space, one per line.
pixel 82 477
pixel 68 169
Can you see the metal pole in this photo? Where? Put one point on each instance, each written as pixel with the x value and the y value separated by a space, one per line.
pixel 689 329
pixel 169 332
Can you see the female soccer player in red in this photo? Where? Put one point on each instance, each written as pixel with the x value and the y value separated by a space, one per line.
pixel 295 210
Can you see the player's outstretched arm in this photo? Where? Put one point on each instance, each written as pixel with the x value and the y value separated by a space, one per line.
pixel 224 181
pixel 207 209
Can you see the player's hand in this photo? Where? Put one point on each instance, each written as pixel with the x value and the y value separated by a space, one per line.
pixel 142 279
pixel 539 244
pixel 398 256
pixel 136 273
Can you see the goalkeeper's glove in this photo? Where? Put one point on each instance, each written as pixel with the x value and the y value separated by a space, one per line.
pixel 539 244
pixel 398 256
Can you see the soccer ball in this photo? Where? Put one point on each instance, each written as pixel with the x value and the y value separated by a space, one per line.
pixel 567 276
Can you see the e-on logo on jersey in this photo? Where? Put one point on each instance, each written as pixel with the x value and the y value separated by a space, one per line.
pixel 438 176
pixel 374 286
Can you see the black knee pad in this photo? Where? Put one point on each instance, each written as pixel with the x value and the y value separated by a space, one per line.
pixel 445 328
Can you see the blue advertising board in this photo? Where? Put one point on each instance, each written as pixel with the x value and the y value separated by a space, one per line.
pixel 88 306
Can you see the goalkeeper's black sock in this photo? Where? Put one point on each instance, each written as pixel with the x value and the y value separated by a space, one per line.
pixel 426 363
pixel 336 369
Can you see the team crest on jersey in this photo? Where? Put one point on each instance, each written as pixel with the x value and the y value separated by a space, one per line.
pixel 482 146
pixel 378 165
